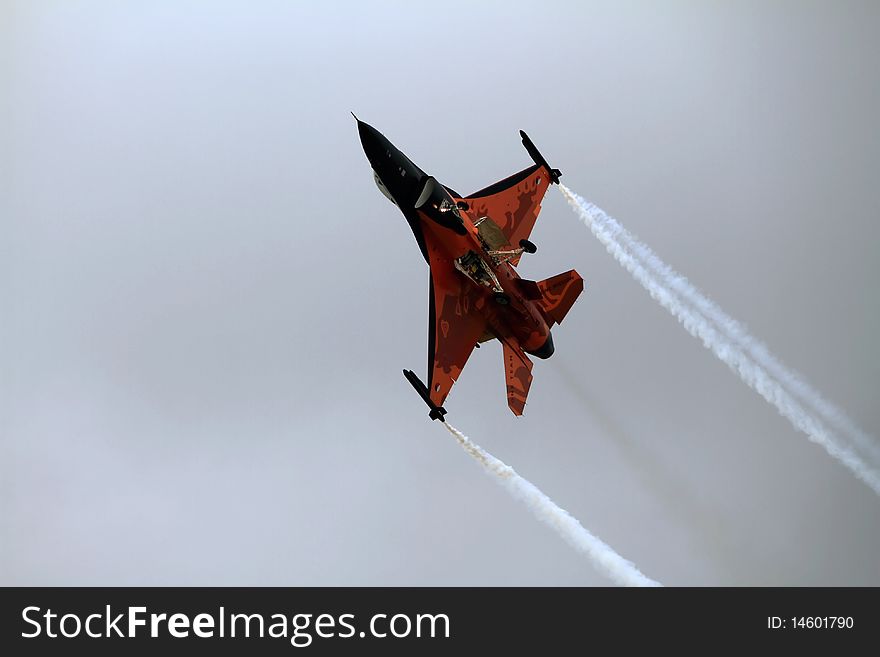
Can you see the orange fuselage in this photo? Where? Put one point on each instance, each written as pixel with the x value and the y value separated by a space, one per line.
pixel 521 317
pixel 472 245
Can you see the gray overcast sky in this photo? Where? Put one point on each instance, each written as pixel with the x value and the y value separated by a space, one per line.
pixel 206 302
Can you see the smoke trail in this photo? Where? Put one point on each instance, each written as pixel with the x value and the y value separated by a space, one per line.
pixel 604 558
pixel 733 330
pixel 751 373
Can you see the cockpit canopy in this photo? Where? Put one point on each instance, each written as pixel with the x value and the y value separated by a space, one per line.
pixel 382 187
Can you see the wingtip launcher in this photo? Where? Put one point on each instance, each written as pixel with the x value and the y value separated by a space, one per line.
pixel 437 412
pixel 537 157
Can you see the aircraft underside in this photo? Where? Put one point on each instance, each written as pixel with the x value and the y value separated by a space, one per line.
pixel 472 245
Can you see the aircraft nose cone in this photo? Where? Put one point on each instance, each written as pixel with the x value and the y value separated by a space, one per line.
pixel 399 175
pixel 372 141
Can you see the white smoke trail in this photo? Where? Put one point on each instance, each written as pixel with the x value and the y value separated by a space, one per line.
pixel 751 373
pixel 733 330
pixel 604 558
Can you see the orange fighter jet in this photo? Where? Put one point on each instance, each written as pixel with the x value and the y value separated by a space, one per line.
pixel 472 244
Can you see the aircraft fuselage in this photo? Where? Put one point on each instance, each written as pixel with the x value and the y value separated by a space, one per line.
pixel 499 295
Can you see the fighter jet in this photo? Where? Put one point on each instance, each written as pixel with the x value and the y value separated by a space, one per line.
pixel 472 245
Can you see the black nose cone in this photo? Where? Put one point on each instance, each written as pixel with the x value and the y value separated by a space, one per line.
pixel 374 143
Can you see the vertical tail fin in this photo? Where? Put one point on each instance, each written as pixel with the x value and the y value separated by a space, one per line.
pixel 518 376
pixel 559 293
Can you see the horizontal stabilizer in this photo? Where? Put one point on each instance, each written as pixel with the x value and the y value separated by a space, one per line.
pixel 559 293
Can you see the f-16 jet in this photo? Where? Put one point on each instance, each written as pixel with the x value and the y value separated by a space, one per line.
pixel 472 245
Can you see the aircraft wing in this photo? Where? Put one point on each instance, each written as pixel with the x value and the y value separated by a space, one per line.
pixel 513 203
pixel 454 326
